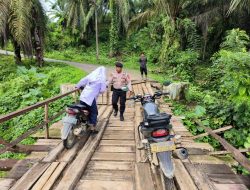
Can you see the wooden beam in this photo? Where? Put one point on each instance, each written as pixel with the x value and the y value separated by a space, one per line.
pixel 28 133
pixel 7 164
pixel 239 157
pixel 73 174
pixel 227 152
pixel 215 131
pixel 11 115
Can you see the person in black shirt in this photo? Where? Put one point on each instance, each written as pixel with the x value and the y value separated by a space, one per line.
pixel 143 65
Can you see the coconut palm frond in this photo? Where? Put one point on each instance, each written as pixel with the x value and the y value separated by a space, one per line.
pixel 20 23
pixel 124 9
pixel 140 20
pixel 238 4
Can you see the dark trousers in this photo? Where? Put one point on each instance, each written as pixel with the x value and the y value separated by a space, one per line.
pixel 93 112
pixel 119 94
pixel 144 70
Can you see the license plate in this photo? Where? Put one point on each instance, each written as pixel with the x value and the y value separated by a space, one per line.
pixel 163 146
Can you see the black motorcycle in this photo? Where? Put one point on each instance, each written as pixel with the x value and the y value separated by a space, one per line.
pixel 75 124
pixel 158 141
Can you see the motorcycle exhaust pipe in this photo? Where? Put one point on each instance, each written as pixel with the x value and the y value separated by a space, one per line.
pixel 181 153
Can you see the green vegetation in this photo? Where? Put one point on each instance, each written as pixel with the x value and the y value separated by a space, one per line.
pixel 25 85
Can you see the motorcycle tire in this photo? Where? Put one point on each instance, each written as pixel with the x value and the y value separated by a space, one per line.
pixel 69 142
pixel 167 184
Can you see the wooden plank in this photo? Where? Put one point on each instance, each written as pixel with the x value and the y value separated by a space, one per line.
pixel 205 159
pixel 53 142
pixel 143 178
pixel 69 155
pixel 20 168
pixel 73 173
pixel 121 124
pixel 6 183
pixel 120 149
pixel 104 185
pixel 30 177
pixel 53 154
pixel 229 179
pixel 215 131
pixel 46 175
pixel 119 132
pixel 213 168
pixel 113 156
pixel 118 142
pixel 7 164
pixel 51 181
pixel 108 175
pixel 200 178
pixel 230 186
pixel 37 155
pixel 235 152
pixel 183 179
pixel 202 146
pixel 111 165
pixel 120 128
pixel 118 136
pixel 227 152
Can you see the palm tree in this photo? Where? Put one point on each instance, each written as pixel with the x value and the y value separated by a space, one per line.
pixel 238 3
pixel 23 22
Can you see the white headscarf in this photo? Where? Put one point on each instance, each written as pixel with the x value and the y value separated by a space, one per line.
pixel 98 75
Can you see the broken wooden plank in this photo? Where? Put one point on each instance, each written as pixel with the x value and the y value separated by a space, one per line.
pixel 239 157
pixel 215 131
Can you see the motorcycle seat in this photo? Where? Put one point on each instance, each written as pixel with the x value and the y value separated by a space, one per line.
pixel 78 106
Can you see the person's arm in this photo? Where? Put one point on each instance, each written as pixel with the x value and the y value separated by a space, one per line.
pixel 103 88
pixel 129 84
pixel 82 82
pixel 110 80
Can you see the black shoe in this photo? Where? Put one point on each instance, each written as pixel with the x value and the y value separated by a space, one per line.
pixel 115 113
pixel 121 118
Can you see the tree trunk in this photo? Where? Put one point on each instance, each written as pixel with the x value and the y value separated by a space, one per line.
pixel 17 51
pixel 38 48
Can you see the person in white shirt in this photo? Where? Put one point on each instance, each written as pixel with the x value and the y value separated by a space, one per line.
pixel 94 84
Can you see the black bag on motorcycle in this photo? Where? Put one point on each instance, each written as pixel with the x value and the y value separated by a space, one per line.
pixel 158 120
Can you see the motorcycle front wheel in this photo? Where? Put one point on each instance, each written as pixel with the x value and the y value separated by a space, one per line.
pixel 70 140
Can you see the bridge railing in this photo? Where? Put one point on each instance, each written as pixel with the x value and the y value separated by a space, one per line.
pixel 12 146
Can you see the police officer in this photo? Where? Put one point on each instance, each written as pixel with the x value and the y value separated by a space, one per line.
pixel 120 84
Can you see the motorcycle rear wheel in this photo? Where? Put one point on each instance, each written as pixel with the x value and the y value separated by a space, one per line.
pixel 70 140
pixel 168 184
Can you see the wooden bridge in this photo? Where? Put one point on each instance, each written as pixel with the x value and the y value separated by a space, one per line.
pixel 110 160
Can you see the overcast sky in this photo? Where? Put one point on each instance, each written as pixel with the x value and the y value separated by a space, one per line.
pixel 46 5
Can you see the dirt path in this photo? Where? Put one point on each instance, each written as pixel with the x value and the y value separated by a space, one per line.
pixel 135 75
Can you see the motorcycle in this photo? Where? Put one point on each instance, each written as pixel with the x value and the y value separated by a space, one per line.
pixel 157 139
pixel 75 124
